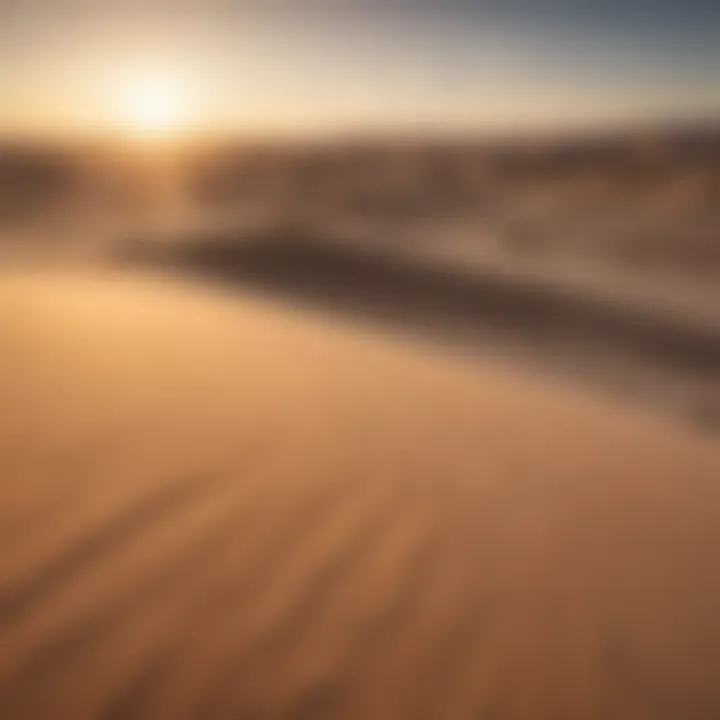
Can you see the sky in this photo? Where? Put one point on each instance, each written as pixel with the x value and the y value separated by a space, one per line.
pixel 296 66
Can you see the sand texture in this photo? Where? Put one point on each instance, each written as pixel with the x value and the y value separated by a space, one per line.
pixel 215 508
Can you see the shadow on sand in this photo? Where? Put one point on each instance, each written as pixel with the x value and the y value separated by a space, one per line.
pixel 669 358
pixel 448 304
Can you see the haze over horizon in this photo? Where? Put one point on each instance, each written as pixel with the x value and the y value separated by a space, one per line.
pixel 281 67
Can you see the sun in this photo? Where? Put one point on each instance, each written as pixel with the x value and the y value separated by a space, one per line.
pixel 154 105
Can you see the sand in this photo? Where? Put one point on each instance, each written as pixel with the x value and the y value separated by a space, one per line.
pixel 213 507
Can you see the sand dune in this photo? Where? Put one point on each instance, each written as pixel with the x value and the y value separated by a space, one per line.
pixel 221 509
pixel 608 335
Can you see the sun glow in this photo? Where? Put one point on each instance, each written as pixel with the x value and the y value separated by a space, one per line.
pixel 155 105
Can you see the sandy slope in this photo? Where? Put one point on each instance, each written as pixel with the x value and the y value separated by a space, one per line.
pixel 219 510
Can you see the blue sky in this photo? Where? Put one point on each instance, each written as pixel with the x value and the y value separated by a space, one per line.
pixel 294 65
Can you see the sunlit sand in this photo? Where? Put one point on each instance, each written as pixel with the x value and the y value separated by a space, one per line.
pixel 221 508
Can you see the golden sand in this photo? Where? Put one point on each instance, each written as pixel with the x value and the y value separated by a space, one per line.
pixel 213 508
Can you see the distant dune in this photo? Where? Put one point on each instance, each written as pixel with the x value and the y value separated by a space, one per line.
pixel 214 508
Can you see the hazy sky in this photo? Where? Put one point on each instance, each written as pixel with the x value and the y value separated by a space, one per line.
pixel 296 65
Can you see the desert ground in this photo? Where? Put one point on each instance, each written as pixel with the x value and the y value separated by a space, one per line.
pixel 594 257
pixel 216 507
pixel 402 430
